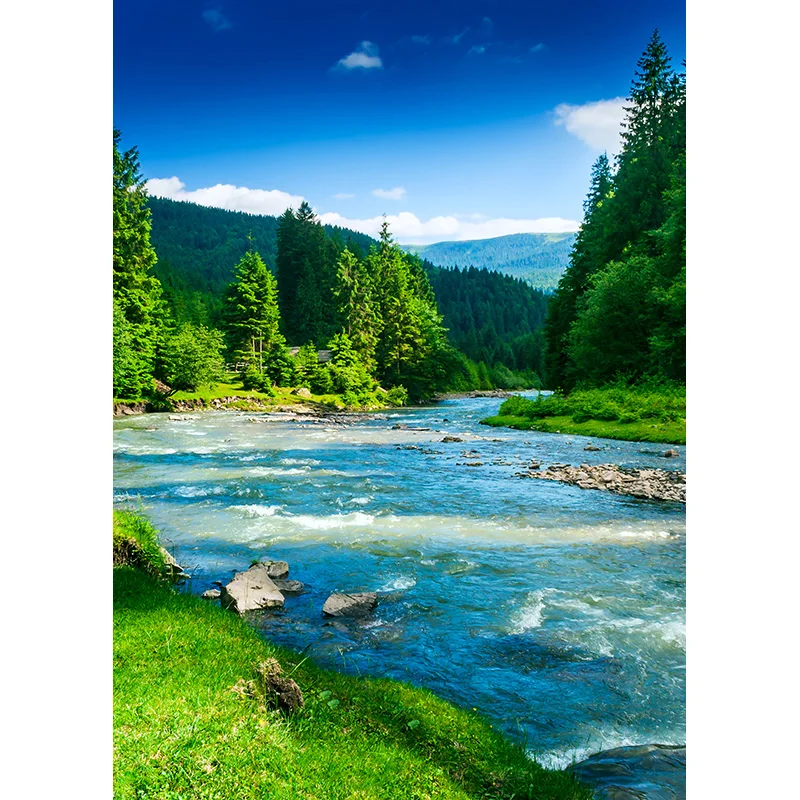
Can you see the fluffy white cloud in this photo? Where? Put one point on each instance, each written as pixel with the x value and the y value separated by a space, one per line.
pixel 407 228
pixel 226 195
pixel 342 196
pixel 596 124
pixel 365 56
pixel 398 193
pixel 216 19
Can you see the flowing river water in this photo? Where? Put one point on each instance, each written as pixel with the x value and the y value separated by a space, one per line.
pixel 557 612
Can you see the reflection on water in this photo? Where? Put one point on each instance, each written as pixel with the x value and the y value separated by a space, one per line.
pixel 558 612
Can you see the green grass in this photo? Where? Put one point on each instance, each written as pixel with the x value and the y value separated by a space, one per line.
pixel 637 414
pixel 181 732
pixel 136 543
pixel 664 433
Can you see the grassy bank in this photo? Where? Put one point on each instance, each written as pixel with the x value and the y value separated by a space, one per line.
pixel 637 415
pixel 237 397
pixel 181 730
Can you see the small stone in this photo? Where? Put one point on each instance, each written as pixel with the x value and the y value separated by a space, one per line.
pixel 452 439
pixel 289 586
pixel 592 448
pixel 211 594
pixel 277 569
pixel 340 604
pixel 671 454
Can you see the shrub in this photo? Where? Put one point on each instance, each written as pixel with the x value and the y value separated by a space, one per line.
pixel 397 396
pixel 193 357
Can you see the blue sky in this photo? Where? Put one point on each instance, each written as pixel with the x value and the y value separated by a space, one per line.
pixel 457 119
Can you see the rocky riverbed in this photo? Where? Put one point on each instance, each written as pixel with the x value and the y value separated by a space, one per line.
pixel 649 484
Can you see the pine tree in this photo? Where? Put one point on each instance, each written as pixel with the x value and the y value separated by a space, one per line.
pixel 253 319
pixel 356 306
pixel 588 255
pixel 139 313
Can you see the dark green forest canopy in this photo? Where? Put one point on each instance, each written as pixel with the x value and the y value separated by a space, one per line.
pixel 538 258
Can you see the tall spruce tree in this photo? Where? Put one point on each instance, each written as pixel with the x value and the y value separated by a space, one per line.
pixel 588 255
pixel 357 308
pixel 138 308
pixel 253 319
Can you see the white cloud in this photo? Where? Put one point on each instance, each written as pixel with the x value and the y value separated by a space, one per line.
pixel 365 56
pixel 226 195
pixel 478 49
pixel 398 193
pixel 596 124
pixel 216 19
pixel 342 196
pixel 407 228
pixel 457 38
pixel 537 48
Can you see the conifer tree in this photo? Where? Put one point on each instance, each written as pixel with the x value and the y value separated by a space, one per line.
pixel 253 319
pixel 356 306
pixel 138 308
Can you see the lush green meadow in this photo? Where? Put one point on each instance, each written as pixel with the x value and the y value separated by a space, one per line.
pixel 618 412
pixel 181 729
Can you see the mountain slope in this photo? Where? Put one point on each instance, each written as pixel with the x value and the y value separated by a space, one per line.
pixel 538 258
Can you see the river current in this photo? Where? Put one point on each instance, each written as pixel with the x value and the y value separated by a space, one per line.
pixel 557 612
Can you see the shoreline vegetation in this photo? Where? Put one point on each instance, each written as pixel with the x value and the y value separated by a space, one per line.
pixel 635 414
pixel 194 715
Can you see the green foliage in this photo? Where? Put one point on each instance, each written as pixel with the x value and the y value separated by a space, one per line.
pixel 619 309
pixel 397 396
pixel 193 357
pixel 139 312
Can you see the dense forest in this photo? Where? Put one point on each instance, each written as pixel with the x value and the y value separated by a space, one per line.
pixel 370 303
pixel 538 258
pixel 490 317
pixel 619 313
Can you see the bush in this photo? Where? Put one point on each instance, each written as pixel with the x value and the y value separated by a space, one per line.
pixel 397 396
pixel 193 357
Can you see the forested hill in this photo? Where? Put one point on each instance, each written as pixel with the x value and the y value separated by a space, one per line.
pixel 538 258
pixel 199 247
pixel 490 317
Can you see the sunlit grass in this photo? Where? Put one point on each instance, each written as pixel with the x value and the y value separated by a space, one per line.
pixel 181 732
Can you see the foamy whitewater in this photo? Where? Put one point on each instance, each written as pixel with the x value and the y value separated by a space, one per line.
pixel 557 612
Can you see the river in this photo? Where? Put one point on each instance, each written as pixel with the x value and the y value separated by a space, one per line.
pixel 559 613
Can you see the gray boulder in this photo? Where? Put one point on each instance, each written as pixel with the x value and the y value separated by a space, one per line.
pixel 251 591
pixel 350 605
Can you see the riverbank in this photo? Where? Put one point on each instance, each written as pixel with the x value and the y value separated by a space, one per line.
pixel 233 397
pixel 627 414
pixel 193 717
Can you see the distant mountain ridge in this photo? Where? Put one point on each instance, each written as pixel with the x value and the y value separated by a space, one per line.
pixel 538 258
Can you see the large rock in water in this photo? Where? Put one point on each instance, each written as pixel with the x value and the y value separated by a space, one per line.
pixel 350 605
pixel 643 772
pixel 252 591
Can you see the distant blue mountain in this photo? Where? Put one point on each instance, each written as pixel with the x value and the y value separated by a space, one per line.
pixel 538 258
